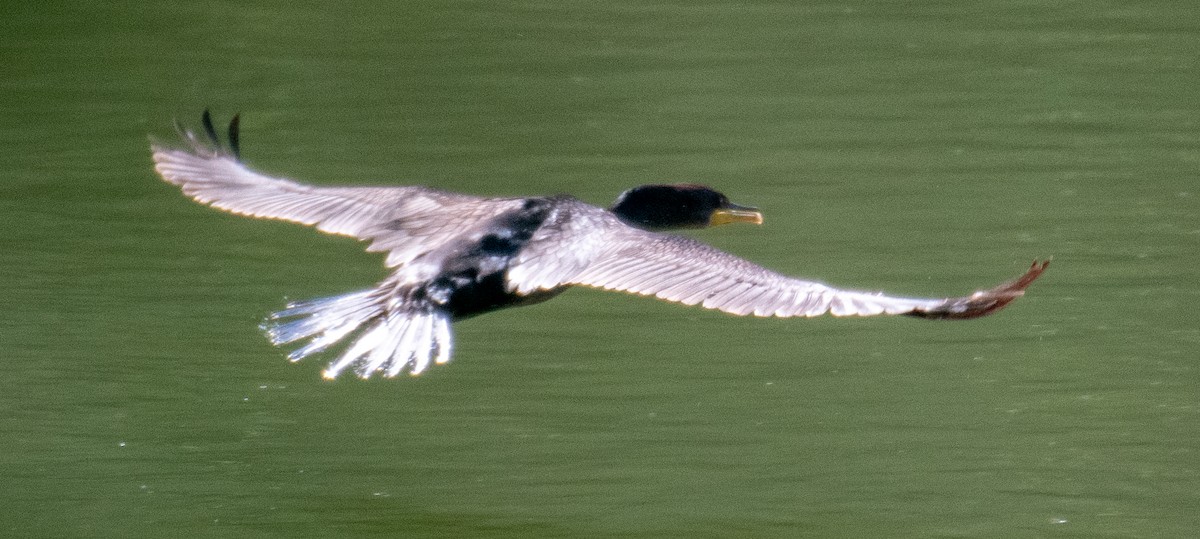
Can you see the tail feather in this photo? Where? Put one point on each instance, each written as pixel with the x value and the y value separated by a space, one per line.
pixel 322 315
pixel 407 338
pixel 390 336
pixel 441 334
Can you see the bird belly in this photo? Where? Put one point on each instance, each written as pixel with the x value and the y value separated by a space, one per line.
pixel 465 294
pixel 472 274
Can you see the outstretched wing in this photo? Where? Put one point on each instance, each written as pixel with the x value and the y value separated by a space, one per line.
pixel 403 221
pixel 686 271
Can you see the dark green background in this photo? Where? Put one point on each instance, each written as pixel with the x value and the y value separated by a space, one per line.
pixel 924 148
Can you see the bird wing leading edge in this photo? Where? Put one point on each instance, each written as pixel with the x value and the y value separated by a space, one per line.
pixel 403 221
pixel 683 270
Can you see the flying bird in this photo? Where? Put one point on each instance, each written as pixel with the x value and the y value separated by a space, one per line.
pixel 455 256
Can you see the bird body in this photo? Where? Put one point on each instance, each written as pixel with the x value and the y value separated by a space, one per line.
pixel 456 256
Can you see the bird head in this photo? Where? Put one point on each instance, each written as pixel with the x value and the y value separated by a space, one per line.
pixel 666 207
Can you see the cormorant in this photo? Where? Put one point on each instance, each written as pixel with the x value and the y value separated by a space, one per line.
pixel 456 256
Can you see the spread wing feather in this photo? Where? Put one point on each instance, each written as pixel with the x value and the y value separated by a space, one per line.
pixel 402 221
pixel 593 248
pixel 686 271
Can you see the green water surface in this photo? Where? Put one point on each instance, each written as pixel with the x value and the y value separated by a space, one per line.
pixel 923 148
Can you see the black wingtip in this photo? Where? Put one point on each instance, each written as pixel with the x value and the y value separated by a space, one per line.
pixel 206 119
pixel 234 145
pixel 215 145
